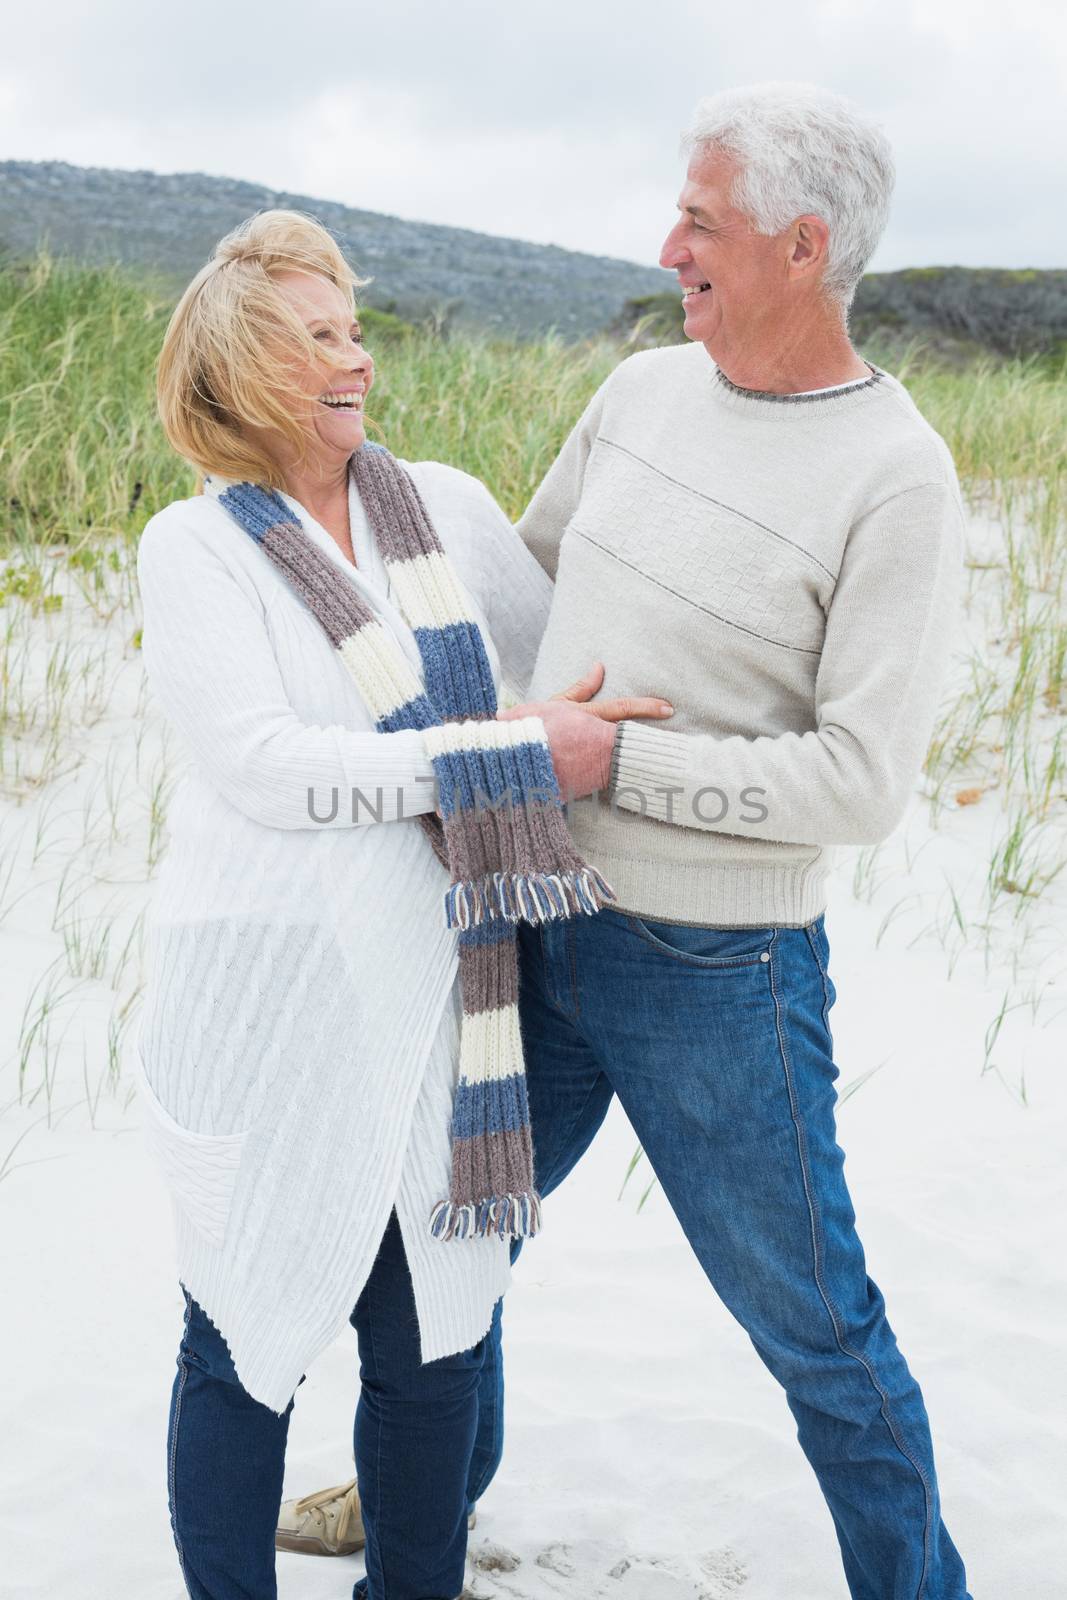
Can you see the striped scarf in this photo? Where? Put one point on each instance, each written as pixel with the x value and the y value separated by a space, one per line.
pixel 501 832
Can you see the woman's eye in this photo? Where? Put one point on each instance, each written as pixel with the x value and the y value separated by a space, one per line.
pixel 357 335
pixel 324 333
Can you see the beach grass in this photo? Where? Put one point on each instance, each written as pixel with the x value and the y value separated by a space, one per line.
pixel 82 454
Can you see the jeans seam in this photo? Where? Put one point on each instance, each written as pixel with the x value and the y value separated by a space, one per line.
pixel 824 975
pixel 377 1428
pixel 575 1120
pixel 581 1110
pixel 572 1020
pixel 572 951
pixel 831 1310
pixel 481 1482
pixel 172 1461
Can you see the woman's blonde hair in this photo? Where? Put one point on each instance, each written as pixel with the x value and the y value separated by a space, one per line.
pixel 229 342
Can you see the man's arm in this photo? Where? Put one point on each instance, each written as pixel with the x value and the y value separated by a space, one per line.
pixel 888 635
pixel 545 519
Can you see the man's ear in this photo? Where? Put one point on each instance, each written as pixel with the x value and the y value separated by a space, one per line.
pixel 810 240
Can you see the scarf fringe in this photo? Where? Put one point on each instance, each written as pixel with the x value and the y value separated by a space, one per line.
pixel 526 897
pixel 509 1216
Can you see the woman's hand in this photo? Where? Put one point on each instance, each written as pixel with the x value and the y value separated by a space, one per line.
pixel 581 734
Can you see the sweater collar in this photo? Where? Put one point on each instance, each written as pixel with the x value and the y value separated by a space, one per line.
pixel 762 402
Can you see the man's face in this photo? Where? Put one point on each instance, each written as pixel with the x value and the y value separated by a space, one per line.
pixel 738 278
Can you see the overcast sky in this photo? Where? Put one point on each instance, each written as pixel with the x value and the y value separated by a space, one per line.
pixel 551 120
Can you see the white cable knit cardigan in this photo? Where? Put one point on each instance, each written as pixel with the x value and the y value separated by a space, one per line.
pixel 299 1037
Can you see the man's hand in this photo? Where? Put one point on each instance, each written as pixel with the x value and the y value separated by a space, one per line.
pixel 584 688
pixel 581 733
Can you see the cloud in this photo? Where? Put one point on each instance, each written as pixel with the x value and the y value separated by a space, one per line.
pixel 558 122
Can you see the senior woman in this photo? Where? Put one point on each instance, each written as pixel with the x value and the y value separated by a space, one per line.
pixel 327 628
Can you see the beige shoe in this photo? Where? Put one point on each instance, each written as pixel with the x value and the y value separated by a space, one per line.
pixel 327 1523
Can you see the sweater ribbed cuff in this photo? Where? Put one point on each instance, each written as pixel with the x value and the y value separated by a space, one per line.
pixel 613 768
pixel 648 770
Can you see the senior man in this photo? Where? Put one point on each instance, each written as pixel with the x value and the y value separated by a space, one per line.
pixel 761 527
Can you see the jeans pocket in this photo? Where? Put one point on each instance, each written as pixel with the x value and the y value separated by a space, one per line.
pixel 706 947
pixel 200 1169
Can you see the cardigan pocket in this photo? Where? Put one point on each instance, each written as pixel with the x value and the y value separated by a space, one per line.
pixel 200 1169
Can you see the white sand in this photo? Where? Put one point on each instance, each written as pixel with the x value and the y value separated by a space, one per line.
pixel 650 1456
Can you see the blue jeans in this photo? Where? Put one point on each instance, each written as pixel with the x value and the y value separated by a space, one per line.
pixel 718 1044
pixel 414 1434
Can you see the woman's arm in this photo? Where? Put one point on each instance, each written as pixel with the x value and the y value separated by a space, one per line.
pixel 211 665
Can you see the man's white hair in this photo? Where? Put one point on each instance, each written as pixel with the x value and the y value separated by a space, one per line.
pixel 802 150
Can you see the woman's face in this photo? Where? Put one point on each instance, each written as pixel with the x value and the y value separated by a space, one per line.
pixel 329 396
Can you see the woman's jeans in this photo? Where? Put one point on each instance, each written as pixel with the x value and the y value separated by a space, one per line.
pixel 414 1434
pixel 718 1045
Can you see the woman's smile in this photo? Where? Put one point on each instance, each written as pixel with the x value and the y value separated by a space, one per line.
pixel 343 399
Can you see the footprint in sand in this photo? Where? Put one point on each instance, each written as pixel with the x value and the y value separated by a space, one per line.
pixel 726 1573
pixel 557 1558
pixel 590 1570
pixel 716 1576
pixel 489 1557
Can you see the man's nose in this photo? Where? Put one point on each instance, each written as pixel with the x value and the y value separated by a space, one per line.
pixel 674 252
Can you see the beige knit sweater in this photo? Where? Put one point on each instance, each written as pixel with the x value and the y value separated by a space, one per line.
pixel 786 571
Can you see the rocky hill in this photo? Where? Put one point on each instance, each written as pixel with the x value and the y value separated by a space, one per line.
pixel 169 223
